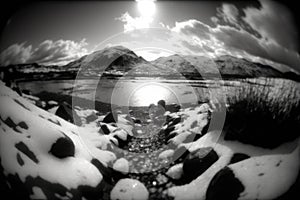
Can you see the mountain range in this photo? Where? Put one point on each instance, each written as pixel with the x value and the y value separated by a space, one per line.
pixel 119 61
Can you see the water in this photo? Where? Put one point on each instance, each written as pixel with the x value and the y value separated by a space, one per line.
pixel 123 92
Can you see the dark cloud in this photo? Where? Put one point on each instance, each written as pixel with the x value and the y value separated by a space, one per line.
pixel 274 22
pixel 48 52
pixel 229 13
pixel 273 37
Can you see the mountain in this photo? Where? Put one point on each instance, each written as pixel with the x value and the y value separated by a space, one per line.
pixel 116 60
pixel 119 61
pixel 227 66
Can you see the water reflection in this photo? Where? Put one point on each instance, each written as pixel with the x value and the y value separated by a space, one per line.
pixel 151 93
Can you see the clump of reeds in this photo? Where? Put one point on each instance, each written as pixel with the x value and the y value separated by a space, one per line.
pixel 265 112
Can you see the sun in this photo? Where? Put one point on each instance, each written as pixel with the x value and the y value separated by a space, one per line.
pixel 146 7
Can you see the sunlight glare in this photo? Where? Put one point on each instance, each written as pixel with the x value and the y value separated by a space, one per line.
pixel 146 7
pixel 148 94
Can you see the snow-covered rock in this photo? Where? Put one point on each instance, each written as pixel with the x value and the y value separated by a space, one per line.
pixel 175 172
pixel 121 165
pixel 129 189
pixel 45 154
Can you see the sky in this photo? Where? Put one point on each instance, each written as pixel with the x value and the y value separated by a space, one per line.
pixel 55 33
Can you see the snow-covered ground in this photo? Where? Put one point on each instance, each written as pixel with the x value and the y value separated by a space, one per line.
pixel 54 159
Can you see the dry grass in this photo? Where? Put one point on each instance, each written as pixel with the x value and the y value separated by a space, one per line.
pixel 265 112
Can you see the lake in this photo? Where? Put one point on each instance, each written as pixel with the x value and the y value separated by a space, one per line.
pixel 124 92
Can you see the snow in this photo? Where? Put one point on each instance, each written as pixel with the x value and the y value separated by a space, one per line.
pixel 268 173
pixel 37 193
pixel 121 165
pixel 42 131
pixel 267 177
pixel 192 121
pixel 175 172
pixel 225 150
pixel 129 189
pixel 166 154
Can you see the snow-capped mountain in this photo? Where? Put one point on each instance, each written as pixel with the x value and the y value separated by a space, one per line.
pixel 227 66
pixel 119 61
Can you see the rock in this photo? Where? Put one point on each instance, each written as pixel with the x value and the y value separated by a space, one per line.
pixel 224 185
pixel 162 103
pixel 92 117
pixel 129 189
pixel 122 136
pixel 21 146
pixel 66 112
pixel 237 157
pixel 111 117
pixel 121 165
pixel 174 107
pixel 166 154
pixel 63 147
pixel 175 172
pixel 198 162
pixel 106 172
pixel 104 129
pixel 180 153
pixel 137 121
pixel 27 92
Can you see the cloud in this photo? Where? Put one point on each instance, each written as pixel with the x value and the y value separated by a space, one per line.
pixel 274 22
pixel 260 35
pixel 228 12
pixel 133 23
pixel 16 53
pixel 49 52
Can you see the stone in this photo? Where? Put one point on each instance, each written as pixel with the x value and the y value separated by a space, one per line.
pixel 111 117
pixel 66 112
pixel 180 153
pixel 104 129
pixel 63 147
pixel 175 172
pixel 198 162
pixel 92 117
pixel 237 157
pixel 126 189
pixel 224 185
pixel 121 165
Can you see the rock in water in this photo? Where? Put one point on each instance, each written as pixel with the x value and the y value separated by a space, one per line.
pixel 129 189
pixel 224 185
pixel 63 147
pixel 65 111
pixel 198 162
pixel 111 117
pixel 162 103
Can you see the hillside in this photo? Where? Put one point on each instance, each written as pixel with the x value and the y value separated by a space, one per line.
pixel 118 61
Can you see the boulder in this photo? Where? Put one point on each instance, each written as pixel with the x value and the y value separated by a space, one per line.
pixel 63 147
pixel 129 189
pixel 111 117
pixel 198 162
pixel 179 154
pixel 224 185
pixel 66 112
pixel 104 129
pixel 237 157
